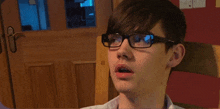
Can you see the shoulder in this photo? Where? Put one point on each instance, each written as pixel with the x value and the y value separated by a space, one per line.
pixel 112 104
pixel 104 107
pixel 94 107
pixel 178 107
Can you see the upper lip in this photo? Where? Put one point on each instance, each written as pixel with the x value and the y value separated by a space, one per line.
pixel 122 66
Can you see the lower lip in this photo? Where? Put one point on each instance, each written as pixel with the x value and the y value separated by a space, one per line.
pixel 124 75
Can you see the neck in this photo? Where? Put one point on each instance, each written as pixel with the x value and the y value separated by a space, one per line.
pixel 150 100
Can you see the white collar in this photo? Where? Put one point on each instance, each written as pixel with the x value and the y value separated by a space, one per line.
pixel 112 104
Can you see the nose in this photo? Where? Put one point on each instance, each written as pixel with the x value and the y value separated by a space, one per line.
pixel 125 50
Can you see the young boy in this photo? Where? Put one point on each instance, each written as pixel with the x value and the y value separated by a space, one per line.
pixel 145 40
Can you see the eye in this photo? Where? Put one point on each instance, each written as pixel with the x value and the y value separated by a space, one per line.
pixel 114 39
pixel 137 38
pixel 140 38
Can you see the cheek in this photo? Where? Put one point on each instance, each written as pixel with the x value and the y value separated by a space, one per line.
pixel 144 64
pixel 143 60
pixel 148 66
pixel 111 59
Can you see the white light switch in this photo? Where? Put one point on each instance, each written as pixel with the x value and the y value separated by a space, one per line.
pixel 199 3
pixel 185 4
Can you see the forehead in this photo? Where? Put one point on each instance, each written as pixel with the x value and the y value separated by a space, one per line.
pixel 157 30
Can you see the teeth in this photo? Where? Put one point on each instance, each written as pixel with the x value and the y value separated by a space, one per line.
pixel 124 70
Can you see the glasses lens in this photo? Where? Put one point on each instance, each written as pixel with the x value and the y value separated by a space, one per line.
pixel 140 40
pixel 112 40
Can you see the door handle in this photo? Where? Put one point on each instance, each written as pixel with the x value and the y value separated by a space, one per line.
pixel 12 39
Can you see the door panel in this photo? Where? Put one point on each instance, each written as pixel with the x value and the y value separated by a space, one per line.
pixel 85 94
pixel 54 68
pixel 6 96
pixel 5 86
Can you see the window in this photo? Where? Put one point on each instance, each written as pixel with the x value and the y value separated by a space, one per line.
pixel 34 15
pixel 80 13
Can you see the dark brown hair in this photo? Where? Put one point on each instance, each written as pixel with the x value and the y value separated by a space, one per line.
pixel 145 14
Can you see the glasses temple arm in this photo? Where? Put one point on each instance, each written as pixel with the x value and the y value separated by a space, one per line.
pixel 160 39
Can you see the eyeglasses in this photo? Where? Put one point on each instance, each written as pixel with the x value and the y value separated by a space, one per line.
pixel 135 40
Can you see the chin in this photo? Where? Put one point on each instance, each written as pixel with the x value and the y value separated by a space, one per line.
pixel 124 88
pixel 127 92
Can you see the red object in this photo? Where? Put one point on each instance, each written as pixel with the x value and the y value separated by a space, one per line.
pixel 203 26
pixel 194 89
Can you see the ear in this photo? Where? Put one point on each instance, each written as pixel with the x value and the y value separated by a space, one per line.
pixel 177 54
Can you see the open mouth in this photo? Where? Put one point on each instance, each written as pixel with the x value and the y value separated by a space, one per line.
pixel 123 71
pixel 122 68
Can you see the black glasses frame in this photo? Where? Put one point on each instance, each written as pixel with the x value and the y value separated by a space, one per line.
pixel 156 39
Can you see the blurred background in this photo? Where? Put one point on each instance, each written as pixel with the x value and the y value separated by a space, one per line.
pixel 48 53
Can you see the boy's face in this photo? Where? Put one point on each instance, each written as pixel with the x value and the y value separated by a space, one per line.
pixel 148 64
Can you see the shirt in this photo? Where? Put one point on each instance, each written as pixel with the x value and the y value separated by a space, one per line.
pixel 113 104
pixel 2 106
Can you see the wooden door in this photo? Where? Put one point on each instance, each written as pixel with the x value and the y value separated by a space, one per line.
pixel 53 68
pixel 6 96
